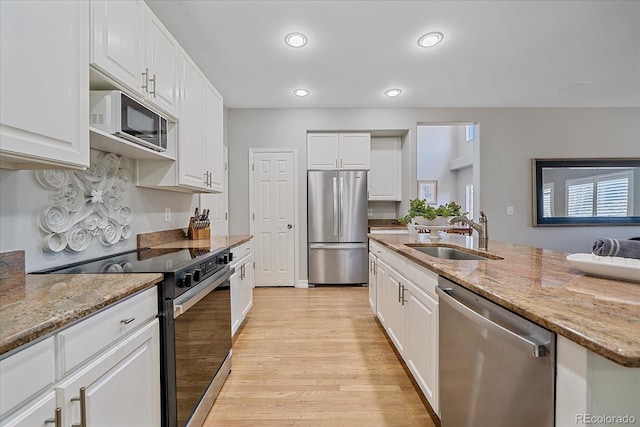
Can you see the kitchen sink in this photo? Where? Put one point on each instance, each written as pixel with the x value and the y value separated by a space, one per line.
pixel 450 253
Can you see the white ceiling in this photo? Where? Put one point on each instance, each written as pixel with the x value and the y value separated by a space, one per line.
pixel 494 53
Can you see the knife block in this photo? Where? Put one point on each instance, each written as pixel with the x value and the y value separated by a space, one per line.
pixel 198 233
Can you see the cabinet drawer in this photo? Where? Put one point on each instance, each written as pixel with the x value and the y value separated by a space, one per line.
pixel 82 340
pixel 26 373
pixel 240 252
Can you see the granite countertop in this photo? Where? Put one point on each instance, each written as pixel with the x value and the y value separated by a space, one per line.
pixel 35 305
pixel 600 314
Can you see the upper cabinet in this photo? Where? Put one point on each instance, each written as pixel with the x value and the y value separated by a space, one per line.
pixel 339 151
pixel 384 176
pixel 44 107
pixel 200 161
pixel 132 47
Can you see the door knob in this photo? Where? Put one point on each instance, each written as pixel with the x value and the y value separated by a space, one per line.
pixel 289 226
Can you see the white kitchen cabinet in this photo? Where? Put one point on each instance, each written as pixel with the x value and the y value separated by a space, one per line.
pixel 384 176
pixel 218 203
pixel 44 107
pixel 200 164
pixel 121 387
pixel 241 283
pixel 25 374
pixel 408 309
pixel 339 151
pixel 132 47
pixel 373 284
pixel 395 309
pixel 422 338
pixel 113 355
pixel 213 145
pixel 191 139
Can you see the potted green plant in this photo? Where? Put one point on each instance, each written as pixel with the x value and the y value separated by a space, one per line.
pixel 422 214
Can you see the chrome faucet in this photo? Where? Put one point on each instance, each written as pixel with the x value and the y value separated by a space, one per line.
pixel 483 234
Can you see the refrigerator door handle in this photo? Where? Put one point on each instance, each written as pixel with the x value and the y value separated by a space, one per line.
pixel 335 206
pixel 341 204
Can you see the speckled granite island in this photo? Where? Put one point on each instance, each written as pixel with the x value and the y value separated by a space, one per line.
pixel 602 315
pixel 35 305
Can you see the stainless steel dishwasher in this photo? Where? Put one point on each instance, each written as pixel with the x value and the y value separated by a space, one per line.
pixel 496 368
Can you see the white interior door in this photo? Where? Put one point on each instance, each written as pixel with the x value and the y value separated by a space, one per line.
pixel 273 193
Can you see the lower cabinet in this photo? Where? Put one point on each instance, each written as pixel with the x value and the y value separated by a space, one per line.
pixel 114 380
pixel 407 307
pixel 241 282
pixel 119 388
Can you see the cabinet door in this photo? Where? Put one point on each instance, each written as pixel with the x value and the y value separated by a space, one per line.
pixel 214 140
pixel 422 341
pixel 247 286
pixel 384 176
pixel 122 386
pixel 117 44
pixel 217 204
pixel 382 295
pixel 35 413
pixel 236 300
pixel 395 309
pixel 162 61
pixel 191 164
pixel 373 300
pixel 44 107
pixel 355 151
pixel 322 151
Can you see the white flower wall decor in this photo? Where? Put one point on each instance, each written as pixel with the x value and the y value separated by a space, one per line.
pixel 87 205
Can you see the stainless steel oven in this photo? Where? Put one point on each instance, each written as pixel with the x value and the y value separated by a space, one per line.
pixel 202 322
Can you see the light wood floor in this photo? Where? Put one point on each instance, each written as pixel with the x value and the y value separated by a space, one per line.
pixel 315 357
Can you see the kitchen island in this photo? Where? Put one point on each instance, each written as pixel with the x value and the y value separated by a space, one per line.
pixel 597 320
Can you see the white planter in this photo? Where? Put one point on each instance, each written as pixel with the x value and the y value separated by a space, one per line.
pixel 437 221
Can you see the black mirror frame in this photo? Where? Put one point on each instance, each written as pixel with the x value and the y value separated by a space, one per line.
pixel 538 208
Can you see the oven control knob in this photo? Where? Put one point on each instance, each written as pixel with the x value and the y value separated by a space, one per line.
pixel 225 260
pixel 181 282
pixel 188 280
pixel 197 274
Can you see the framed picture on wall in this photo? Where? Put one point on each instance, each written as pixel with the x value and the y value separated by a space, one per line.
pixel 428 191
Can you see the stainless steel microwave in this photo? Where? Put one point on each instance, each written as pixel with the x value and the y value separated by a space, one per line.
pixel 114 112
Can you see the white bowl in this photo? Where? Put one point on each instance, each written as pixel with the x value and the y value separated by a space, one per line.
pixel 437 221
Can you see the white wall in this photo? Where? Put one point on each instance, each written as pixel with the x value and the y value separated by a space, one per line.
pixel 21 198
pixel 435 147
pixel 509 138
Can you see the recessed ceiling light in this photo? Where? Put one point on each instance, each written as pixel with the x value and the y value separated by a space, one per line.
pixel 393 92
pixel 301 92
pixel 430 39
pixel 295 39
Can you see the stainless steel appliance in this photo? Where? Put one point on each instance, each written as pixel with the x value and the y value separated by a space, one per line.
pixel 337 227
pixel 496 368
pixel 195 323
pixel 115 113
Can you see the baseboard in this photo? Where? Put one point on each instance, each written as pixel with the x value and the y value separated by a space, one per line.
pixel 302 284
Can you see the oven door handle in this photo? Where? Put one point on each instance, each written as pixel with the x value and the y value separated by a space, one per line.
pixel 183 303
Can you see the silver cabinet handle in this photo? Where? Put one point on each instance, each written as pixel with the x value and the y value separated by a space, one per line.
pixel 399 291
pixel 154 80
pixel 57 420
pixel 403 289
pixel 145 86
pixel 127 321
pixel 83 408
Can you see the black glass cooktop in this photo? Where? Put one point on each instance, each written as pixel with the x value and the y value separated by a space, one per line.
pixel 138 261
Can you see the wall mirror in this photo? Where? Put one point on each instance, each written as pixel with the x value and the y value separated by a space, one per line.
pixel 586 191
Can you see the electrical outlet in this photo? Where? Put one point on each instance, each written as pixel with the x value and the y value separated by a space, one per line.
pixel 167 214
pixel 509 210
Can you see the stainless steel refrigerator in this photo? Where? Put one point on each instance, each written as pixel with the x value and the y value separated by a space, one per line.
pixel 337 227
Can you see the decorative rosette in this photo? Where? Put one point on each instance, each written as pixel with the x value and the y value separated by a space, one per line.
pixel 88 205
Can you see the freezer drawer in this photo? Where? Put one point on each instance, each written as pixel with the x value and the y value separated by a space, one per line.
pixel 338 263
